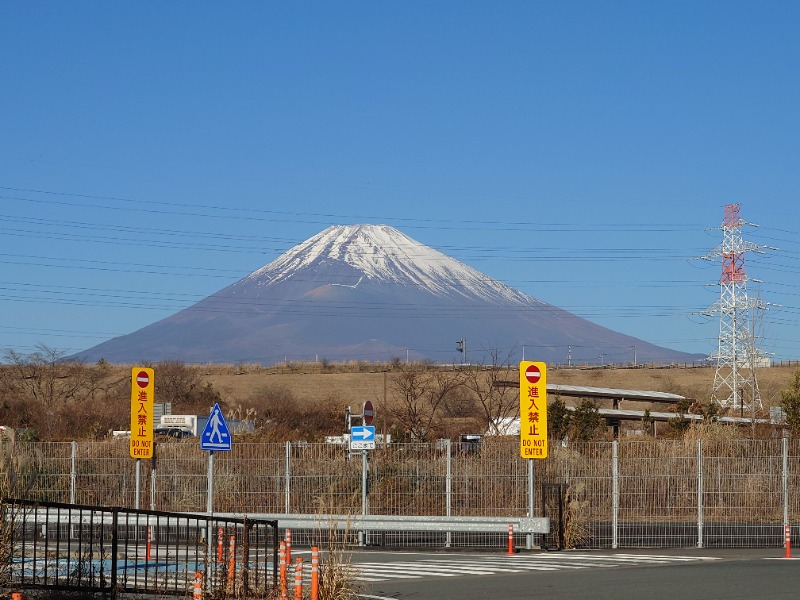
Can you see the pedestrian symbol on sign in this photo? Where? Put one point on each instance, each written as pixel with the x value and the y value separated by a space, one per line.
pixel 215 435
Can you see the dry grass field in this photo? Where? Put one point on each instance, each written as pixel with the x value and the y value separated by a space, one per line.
pixel 358 383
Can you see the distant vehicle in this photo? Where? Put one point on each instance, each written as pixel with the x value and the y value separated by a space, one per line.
pixel 193 424
pixel 469 442
pixel 173 432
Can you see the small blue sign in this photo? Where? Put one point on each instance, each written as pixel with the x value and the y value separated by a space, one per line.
pixel 362 437
pixel 216 435
pixel 364 433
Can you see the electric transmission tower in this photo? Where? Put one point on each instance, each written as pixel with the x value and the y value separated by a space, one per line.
pixel 738 353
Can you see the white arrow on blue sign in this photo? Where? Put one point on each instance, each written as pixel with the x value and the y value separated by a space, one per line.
pixel 362 437
pixel 216 435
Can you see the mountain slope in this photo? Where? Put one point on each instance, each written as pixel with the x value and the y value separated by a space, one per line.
pixel 369 292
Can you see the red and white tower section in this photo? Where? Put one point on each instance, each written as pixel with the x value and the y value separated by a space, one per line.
pixel 738 352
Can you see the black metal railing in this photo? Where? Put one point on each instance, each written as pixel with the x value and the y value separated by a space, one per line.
pixel 115 550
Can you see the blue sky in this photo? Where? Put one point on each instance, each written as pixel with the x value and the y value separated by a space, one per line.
pixel 153 153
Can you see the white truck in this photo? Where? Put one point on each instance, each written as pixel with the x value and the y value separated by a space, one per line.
pixel 181 425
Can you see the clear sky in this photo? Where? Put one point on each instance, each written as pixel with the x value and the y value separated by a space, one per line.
pixel 152 153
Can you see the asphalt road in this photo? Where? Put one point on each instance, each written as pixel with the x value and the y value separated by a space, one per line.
pixel 593 575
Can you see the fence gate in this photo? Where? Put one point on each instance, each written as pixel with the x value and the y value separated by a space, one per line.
pixel 553 498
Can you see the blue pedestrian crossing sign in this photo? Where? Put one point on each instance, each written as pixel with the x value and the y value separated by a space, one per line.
pixel 216 435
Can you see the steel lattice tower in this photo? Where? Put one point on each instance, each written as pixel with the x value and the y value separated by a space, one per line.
pixel 735 381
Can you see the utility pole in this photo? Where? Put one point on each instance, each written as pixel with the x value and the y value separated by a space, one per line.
pixel 461 346
pixel 735 381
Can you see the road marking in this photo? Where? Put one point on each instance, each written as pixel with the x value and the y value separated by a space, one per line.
pixel 374 572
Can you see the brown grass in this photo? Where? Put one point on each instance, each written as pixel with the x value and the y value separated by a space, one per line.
pixel 309 382
pixel 306 385
pixel 357 385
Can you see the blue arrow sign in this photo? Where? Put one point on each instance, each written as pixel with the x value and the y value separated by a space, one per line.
pixel 216 435
pixel 363 433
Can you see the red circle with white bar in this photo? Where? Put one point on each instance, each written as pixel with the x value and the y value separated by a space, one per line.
pixel 142 379
pixel 369 413
pixel 533 374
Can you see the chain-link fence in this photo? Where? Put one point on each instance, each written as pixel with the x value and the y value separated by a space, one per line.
pixel 658 493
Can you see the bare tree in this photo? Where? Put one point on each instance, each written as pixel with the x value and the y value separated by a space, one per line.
pixel 490 385
pixel 44 376
pixel 419 393
pixel 182 385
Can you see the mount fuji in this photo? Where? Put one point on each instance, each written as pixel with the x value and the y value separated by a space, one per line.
pixel 369 292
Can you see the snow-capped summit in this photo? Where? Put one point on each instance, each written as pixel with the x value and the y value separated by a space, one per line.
pixel 370 292
pixel 382 254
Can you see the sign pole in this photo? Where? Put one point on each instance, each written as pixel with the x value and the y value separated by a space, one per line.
pixel 531 488
pixel 210 497
pixel 209 500
pixel 363 539
pixel 364 467
pixel 532 424
pixel 136 504
pixel 215 436
pixel 153 479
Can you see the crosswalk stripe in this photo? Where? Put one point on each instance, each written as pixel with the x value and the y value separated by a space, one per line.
pixel 500 568
pixel 400 568
pixel 373 572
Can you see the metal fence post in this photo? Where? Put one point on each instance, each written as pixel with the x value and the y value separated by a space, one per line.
pixel 699 493
pixel 114 551
pixel 448 490
pixel 287 477
pixel 73 483
pixel 615 493
pixel 785 481
pixel 73 474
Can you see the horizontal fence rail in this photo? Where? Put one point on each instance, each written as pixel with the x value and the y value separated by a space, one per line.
pixel 622 494
pixel 389 522
pixel 315 529
pixel 71 547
